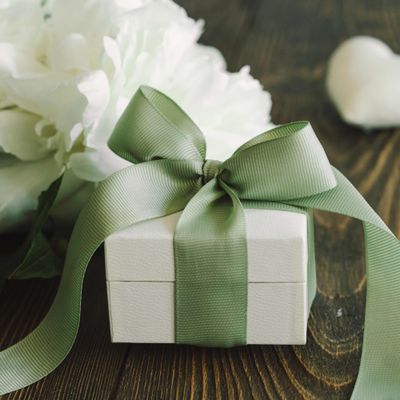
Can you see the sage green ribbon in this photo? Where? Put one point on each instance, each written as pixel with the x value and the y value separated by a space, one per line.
pixel 286 165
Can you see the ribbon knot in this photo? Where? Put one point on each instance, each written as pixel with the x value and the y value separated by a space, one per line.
pixel 210 169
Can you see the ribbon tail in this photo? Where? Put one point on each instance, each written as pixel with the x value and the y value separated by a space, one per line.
pixel 137 193
pixel 211 269
pixel 379 373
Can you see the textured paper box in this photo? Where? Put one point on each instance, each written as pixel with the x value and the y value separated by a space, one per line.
pixel 140 279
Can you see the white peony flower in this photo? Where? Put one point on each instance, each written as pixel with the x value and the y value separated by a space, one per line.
pixel 68 69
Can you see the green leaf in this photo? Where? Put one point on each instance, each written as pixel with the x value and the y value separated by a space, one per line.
pixel 35 258
pixel 39 262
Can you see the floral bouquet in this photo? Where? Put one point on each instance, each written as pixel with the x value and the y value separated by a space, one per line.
pixel 67 71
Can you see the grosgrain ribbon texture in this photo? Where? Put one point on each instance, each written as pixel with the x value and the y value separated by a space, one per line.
pixel 286 165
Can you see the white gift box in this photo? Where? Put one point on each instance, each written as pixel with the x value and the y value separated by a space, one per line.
pixel 141 279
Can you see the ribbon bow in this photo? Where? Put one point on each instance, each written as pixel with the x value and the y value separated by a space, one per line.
pixel 285 165
pixel 210 238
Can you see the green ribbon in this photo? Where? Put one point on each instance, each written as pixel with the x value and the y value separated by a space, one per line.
pixel 285 166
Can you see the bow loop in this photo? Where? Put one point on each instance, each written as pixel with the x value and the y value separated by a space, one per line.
pixel 285 163
pixel 154 127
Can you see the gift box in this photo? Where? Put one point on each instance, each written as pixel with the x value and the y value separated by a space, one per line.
pixel 281 278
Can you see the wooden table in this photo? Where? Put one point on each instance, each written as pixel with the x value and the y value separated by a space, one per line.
pixel 287 43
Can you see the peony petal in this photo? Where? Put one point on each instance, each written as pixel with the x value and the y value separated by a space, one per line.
pixel 158 43
pixel 90 18
pixel 95 165
pixel 112 59
pixel 21 22
pixel 70 54
pixel 70 184
pixel 17 64
pixel 20 186
pixel 71 198
pixel 95 88
pixel 363 82
pixel 131 4
pixel 18 136
pixel 57 100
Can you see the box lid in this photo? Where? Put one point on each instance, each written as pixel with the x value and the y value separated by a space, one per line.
pixel 276 246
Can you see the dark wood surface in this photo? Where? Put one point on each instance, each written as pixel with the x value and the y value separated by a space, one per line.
pixel 287 44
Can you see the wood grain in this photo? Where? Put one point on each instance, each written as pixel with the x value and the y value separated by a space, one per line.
pixel 287 44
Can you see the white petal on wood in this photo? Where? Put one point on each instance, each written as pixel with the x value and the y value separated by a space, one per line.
pixel 363 81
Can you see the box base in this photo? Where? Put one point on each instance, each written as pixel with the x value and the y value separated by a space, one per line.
pixel 144 312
